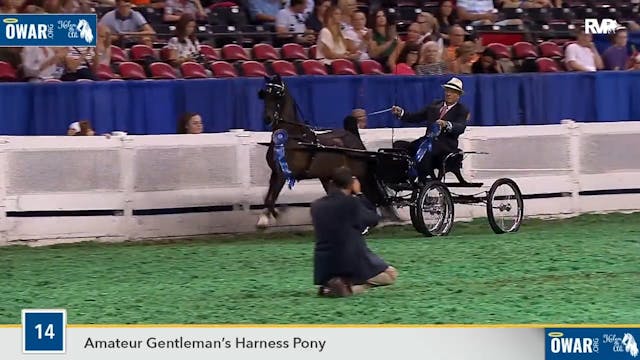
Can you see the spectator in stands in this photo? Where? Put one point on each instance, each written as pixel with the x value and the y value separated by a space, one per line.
pixel 363 35
pixel 464 58
pixel 487 64
pixel 127 26
pixel 634 62
pixel 582 55
pixel 41 63
pixel 10 6
pixel 407 59
pixel 103 45
pixel 353 41
pixel 331 43
pixel 315 21
pixel 447 17
pixel 428 27
pixel 308 7
pixel 413 35
pixel 264 11
pixel 616 57
pixel 384 39
pixel 80 63
pixel 75 7
pixel 479 12
pixel 456 38
pixel 174 9
pixel 430 62
pixel 184 46
pixel 290 24
pixel 190 123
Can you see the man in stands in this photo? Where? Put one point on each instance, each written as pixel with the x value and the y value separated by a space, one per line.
pixel 264 11
pixel 343 264
pixel 173 10
pixel 127 26
pixel 290 24
pixel 450 115
pixel 479 12
pixel 583 55
pixel 616 57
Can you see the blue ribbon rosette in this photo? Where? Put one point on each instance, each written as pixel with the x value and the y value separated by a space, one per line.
pixel 280 138
pixel 425 147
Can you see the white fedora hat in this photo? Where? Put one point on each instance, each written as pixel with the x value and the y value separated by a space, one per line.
pixel 454 84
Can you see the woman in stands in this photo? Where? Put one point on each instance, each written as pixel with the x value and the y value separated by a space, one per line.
pixel 431 62
pixel 42 63
pixel 184 46
pixel 103 45
pixel 315 21
pixel 331 44
pixel 446 16
pixel 407 60
pixel 464 58
pixel 190 123
pixel 413 36
pixel 487 64
pixel 384 38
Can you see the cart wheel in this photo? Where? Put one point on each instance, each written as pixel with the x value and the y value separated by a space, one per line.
pixel 505 208
pixel 433 210
pixel 413 212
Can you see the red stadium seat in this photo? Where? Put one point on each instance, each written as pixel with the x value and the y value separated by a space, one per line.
pixel 118 55
pixel 312 51
pixel 139 52
pixel 223 69
pixel 165 54
pixel 161 70
pixel 104 72
pixel 313 67
pixel 131 71
pixel 292 51
pixel 253 69
pixel 343 67
pixel 547 65
pixel 193 70
pixel 263 52
pixel 283 68
pixel 550 49
pixel 524 50
pixel 234 52
pixel 501 50
pixel 7 72
pixel 371 67
pixel 209 52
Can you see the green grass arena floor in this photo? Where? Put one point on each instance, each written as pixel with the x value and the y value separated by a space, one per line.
pixel 579 270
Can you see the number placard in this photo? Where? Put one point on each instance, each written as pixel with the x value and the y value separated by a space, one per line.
pixel 44 330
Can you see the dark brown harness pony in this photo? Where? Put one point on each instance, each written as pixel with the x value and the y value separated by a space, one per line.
pixel 306 162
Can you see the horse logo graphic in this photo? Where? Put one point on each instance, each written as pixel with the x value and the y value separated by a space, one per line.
pixel 630 344
pixel 85 30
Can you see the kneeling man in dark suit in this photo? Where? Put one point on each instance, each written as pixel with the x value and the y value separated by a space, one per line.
pixel 343 264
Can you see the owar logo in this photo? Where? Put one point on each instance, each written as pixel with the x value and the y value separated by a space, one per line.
pixel 560 344
pixel 606 26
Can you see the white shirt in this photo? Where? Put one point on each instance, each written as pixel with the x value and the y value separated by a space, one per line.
pixel 580 54
pixel 293 22
pixel 476 6
pixel 326 39
pixel 33 57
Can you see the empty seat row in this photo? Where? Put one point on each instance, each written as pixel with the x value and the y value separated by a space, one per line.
pixel 230 52
pixel 525 50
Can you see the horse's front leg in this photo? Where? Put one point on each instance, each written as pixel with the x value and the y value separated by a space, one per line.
pixel 276 183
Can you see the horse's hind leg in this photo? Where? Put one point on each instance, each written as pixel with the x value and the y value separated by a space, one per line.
pixel 276 183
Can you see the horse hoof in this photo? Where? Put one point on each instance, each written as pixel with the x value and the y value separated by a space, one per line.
pixel 263 221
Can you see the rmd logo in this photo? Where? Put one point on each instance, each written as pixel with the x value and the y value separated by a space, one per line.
pixel 570 345
pixel 607 26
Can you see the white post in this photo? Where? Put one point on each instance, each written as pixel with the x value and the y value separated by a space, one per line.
pixel 245 140
pixel 575 137
pixel 128 175
pixel 4 240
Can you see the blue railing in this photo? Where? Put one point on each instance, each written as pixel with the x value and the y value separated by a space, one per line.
pixel 152 107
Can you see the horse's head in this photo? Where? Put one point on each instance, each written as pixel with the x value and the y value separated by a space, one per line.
pixel 274 96
pixel 630 344
pixel 85 31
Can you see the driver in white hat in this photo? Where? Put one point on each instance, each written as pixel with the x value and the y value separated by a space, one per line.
pixel 450 115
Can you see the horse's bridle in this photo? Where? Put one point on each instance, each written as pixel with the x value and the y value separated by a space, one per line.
pixel 278 91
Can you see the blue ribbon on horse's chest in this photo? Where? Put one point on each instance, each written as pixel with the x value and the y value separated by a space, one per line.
pixel 280 138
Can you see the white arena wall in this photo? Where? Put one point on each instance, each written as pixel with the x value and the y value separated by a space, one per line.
pixel 65 189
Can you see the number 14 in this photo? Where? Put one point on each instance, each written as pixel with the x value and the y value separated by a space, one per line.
pixel 48 332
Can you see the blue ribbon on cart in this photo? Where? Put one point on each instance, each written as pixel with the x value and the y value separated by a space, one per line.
pixel 425 147
pixel 280 138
